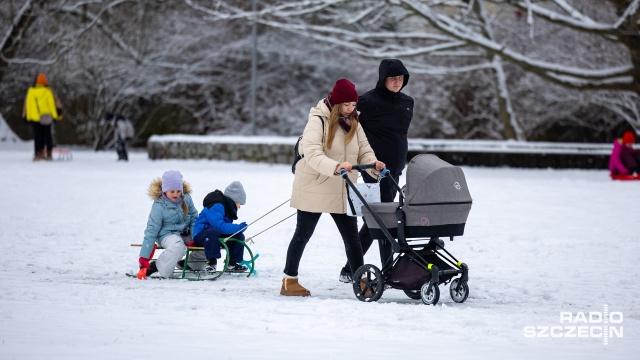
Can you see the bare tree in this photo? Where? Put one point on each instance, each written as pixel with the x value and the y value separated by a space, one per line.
pixel 503 68
pixel 438 29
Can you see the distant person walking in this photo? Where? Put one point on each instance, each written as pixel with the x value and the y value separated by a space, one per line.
pixel 41 108
pixel 123 133
pixel 385 115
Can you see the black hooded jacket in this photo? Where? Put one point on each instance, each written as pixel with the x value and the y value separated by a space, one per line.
pixel 385 117
pixel 215 197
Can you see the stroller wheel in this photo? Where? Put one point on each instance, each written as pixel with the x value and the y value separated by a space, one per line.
pixel 459 290
pixel 430 294
pixel 368 283
pixel 413 294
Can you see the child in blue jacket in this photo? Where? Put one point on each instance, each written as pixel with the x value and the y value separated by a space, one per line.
pixel 216 221
pixel 170 222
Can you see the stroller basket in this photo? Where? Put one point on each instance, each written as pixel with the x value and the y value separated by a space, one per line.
pixel 407 274
pixel 437 202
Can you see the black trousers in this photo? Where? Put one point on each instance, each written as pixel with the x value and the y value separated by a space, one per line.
pixel 42 138
pixel 307 221
pixel 388 193
pixel 210 240
pixel 121 149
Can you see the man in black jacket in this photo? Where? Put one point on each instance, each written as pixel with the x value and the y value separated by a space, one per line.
pixel 385 115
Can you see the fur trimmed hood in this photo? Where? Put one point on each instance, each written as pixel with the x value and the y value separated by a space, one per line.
pixel 155 188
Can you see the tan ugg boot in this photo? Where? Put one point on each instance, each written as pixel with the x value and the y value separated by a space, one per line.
pixel 290 287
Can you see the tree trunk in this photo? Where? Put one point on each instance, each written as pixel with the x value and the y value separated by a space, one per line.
pixel 510 127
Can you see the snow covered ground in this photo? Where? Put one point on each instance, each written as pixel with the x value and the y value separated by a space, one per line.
pixel 538 243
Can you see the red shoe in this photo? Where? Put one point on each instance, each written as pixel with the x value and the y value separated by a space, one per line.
pixel 142 274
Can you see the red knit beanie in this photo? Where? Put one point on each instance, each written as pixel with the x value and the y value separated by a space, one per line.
pixel 628 138
pixel 41 80
pixel 344 91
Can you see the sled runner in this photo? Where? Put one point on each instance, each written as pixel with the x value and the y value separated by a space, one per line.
pixel 198 275
pixel 625 177
pixel 434 203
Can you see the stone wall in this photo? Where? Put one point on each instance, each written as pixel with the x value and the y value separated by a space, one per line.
pixel 279 150
pixel 268 153
pixel 515 153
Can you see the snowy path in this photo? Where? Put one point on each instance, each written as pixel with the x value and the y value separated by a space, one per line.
pixel 538 242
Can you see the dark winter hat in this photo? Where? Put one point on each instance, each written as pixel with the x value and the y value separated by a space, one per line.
pixel 391 68
pixel 344 91
pixel 235 192
pixel 171 180
pixel 628 138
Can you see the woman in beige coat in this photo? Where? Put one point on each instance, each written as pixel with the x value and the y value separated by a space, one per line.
pixel 332 140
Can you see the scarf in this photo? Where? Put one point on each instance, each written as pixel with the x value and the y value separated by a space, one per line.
pixel 343 121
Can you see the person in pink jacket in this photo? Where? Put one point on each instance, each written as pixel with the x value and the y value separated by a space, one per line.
pixel 624 159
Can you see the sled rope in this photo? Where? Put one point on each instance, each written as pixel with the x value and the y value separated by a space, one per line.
pixel 272 210
pixel 251 237
pixel 254 221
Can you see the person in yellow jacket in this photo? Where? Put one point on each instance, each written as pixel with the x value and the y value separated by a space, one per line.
pixel 41 109
pixel 332 140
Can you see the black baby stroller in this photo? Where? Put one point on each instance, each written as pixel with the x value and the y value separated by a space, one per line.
pixel 434 203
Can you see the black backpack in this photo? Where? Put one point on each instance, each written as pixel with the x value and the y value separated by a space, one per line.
pixel 296 153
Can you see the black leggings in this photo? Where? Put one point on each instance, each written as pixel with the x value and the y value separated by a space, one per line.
pixel 307 221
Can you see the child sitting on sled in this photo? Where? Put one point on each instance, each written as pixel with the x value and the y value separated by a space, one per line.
pixel 170 224
pixel 624 159
pixel 216 221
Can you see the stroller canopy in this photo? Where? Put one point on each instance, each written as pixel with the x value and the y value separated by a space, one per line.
pixel 434 181
pixel 436 199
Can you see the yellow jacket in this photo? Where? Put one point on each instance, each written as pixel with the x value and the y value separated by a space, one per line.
pixel 39 101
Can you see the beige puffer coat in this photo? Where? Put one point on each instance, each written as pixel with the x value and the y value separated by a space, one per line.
pixel 315 187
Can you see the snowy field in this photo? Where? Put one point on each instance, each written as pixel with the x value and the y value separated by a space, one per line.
pixel 538 243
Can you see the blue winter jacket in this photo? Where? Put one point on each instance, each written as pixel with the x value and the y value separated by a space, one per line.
pixel 214 215
pixel 166 217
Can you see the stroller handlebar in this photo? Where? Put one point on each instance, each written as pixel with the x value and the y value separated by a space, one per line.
pixel 362 167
